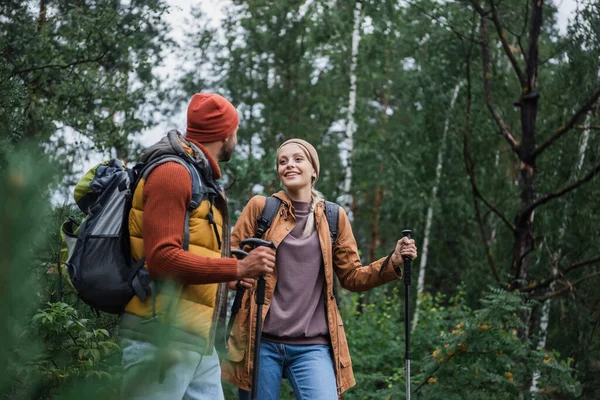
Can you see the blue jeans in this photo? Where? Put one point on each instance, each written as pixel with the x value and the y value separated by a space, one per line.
pixel 309 368
pixel 186 374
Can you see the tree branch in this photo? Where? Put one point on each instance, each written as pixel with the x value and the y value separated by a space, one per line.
pixel 581 264
pixel 559 193
pixel 487 86
pixel 588 127
pixel 565 128
pixel 519 42
pixel 569 287
pixel 427 379
pixel 493 209
pixel 506 46
pixel 460 35
pixel 545 283
pixel 64 66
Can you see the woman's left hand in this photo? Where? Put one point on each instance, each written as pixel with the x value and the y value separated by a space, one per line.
pixel 405 247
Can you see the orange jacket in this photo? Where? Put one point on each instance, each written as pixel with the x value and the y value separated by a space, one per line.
pixel 343 259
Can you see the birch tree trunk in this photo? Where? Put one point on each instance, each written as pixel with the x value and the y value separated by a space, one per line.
pixel 348 144
pixel 429 218
pixel 493 221
pixel 545 318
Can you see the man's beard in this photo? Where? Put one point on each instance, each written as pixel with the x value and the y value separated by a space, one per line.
pixel 226 151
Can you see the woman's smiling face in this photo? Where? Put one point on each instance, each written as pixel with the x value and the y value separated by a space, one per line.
pixel 294 168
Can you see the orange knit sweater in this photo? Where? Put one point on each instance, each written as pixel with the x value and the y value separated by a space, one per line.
pixel 167 193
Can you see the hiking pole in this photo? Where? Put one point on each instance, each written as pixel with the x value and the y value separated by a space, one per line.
pixel 260 301
pixel 407 275
pixel 239 294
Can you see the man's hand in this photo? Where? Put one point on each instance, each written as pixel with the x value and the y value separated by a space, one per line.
pixel 404 247
pixel 260 261
pixel 246 283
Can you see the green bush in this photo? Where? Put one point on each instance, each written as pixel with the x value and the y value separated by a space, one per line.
pixel 74 348
pixel 457 352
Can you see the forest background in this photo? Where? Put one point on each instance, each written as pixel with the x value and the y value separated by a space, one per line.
pixel 474 123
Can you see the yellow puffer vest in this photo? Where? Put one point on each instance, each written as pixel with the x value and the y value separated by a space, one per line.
pixel 197 308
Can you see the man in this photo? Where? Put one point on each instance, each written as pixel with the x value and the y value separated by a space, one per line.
pixel 181 361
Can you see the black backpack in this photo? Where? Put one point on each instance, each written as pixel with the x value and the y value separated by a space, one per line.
pixel 97 254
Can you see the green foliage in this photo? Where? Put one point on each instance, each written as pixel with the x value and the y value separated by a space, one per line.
pixel 457 352
pixel 86 66
pixel 23 183
pixel 74 349
pixel 12 104
pixel 275 66
pixel 49 352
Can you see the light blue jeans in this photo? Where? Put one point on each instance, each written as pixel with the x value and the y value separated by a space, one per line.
pixel 309 368
pixel 186 374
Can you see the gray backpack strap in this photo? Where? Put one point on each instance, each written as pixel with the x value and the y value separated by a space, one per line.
pixel 199 190
pixel 268 214
pixel 332 212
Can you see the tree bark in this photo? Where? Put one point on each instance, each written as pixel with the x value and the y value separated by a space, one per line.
pixel 527 181
pixel 42 14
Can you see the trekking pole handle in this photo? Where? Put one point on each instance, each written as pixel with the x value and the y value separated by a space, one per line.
pixel 407 261
pixel 260 288
pixel 255 242
pixel 239 254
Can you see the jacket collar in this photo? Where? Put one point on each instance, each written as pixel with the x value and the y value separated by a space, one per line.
pixel 284 197
pixel 214 165
pixel 174 143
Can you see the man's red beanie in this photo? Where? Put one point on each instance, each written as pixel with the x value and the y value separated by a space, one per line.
pixel 210 118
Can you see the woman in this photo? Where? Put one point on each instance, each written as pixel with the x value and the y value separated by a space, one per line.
pixel 303 335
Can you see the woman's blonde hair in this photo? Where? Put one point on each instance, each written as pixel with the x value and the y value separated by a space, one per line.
pixel 309 228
